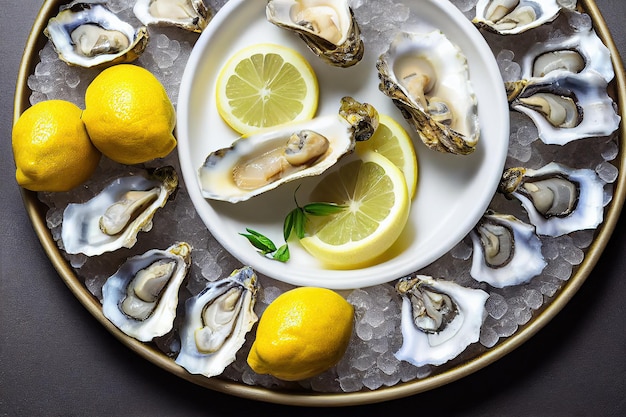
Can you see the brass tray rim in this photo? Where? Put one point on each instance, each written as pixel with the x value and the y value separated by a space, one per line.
pixel 36 212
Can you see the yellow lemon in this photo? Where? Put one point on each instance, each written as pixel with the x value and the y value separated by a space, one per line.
pixel 377 204
pixel 266 85
pixel 302 333
pixel 129 116
pixel 51 147
pixel 393 142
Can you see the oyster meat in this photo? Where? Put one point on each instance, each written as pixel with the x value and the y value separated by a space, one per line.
pixel 566 107
pixel 508 17
pixel 113 218
pixel 141 297
pixel 427 78
pixel 261 162
pixel 216 323
pixel 440 319
pixel 328 27
pixel 558 199
pixel 192 15
pixel 506 251
pixel 90 35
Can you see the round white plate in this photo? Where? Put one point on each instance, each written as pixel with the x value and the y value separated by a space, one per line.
pixel 453 191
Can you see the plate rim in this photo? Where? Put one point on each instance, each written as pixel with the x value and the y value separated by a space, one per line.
pixel 36 212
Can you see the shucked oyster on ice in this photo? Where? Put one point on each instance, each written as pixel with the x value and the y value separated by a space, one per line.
pixel 216 323
pixel 577 52
pixel 506 251
pixel 88 34
pixel 558 199
pixel 566 107
pixel 328 27
pixel 508 17
pixel 113 218
pixel 440 319
pixel 427 78
pixel 192 15
pixel 262 161
pixel 141 297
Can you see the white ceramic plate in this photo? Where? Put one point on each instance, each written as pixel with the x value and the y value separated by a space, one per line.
pixel 453 191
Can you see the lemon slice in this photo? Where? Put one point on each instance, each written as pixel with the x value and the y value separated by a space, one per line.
pixel 375 193
pixel 266 85
pixel 393 142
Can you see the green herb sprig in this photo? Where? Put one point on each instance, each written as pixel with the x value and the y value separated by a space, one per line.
pixel 295 222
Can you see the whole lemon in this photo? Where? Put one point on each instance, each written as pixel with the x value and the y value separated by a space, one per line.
pixel 129 116
pixel 302 333
pixel 51 147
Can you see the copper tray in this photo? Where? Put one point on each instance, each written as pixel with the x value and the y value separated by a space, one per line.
pixel 36 211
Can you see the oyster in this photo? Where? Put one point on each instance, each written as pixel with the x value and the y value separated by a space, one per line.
pixel 90 35
pixel 574 53
pixel 261 162
pixel 506 251
pixel 427 78
pixel 439 319
pixel 141 297
pixel 508 17
pixel 328 27
pixel 566 107
pixel 192 15
pixel 216 323
pixel 113 218
pixel 558 199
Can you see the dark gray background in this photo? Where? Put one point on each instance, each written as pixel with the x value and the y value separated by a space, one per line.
pixel 56 359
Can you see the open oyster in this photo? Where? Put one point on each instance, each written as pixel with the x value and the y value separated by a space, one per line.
pixel 141 297
pixel 192 15
pixel 575 53
pixel 558 199
pixel 506 251
pixel 90 35
pixel 508 17
pixel 216 323
pixel 262 161
pixel 439 319
pixel 327 27
pixel 566 107
pixel 427 78
pixel 113 218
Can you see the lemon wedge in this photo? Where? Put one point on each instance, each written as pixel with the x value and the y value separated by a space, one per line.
pixel 266 85
pixel 393 142
pixel 375 194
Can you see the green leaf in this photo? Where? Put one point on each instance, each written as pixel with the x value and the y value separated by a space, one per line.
pixel 299 224
pixel 259 241
pixel 323 209
pixel 282 254
pixel 289 222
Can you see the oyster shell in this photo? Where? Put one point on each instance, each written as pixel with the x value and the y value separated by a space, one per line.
pixel 508 17
pixel 328 27
pixel 427 78
pixel 216 323
pixel 141 297
pixel 558 199
pixel 440 319
pixel 506 251
pixel 262 161
pixel 566 107
pixel 192 15
pixel 90 35
pixel 113 218
pixel 574 53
